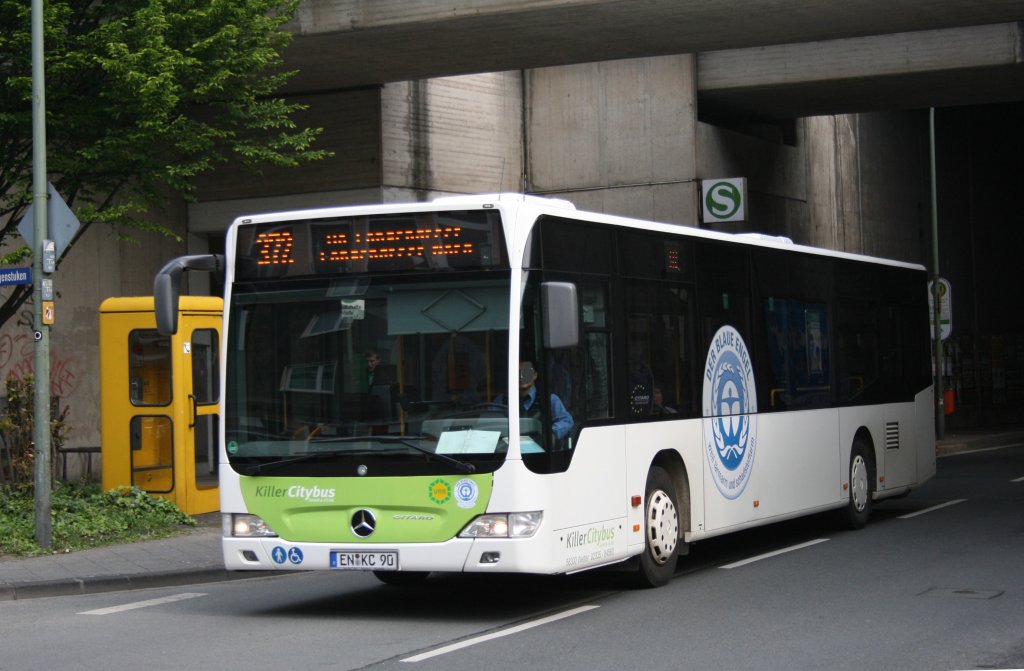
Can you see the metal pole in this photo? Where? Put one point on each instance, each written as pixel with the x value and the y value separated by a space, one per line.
pixel 42 336
pixel 940 402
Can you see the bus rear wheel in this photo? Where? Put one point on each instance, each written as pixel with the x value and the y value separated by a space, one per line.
pixel 858 508
pixel 661 531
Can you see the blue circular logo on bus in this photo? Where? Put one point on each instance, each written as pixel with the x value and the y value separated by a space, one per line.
pixel 730 412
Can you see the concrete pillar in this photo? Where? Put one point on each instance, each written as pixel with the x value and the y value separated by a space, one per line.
pixel 452 135
pixel 616 136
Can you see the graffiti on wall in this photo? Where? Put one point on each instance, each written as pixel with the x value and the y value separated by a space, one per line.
pixel 17 358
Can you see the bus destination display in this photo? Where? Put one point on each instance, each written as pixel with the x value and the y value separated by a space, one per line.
pixel 367 244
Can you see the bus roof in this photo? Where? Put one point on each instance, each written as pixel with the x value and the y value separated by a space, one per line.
pixel 531 205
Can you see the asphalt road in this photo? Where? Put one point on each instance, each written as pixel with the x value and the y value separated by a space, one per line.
pixel 936 581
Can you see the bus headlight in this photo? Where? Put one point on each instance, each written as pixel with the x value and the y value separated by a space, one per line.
pixel 240 525
pixel 503 525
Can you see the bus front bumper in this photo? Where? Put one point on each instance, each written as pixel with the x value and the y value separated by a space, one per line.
pixel 493 555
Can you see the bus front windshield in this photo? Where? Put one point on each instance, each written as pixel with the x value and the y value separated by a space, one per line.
pixel 386 374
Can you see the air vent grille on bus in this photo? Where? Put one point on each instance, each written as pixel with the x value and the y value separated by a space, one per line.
pixel 892 435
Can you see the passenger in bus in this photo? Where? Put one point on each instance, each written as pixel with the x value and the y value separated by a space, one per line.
pixel 660 409
pixel 372 361
pixel 376 401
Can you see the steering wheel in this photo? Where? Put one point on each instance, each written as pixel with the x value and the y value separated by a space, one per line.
pixel 491 407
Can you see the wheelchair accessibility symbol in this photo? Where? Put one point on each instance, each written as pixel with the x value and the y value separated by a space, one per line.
pixel 280 555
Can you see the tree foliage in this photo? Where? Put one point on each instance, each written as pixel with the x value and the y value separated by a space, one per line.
pixel 141 97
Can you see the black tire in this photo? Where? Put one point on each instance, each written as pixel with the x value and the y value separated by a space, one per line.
pixel 862 486
pixel 661 531
pixel 401 578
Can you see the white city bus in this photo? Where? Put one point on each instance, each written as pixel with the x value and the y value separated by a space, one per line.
pixel 679 384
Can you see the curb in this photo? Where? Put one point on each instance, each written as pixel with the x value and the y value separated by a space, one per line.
pixel 96 585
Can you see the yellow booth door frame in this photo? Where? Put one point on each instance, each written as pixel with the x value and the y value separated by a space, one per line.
pixel 159 400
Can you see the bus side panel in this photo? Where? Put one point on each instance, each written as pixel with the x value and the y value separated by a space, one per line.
pixel 590 503
pixel 903 438
pixel 643 443
pixel 924 435
pixel 898 435
pixel 794 470
pixel 584 509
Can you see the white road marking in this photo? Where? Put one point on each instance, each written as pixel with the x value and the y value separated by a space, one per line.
pixel 143 604
pixel 776 553
pixel 932 509
pixel 498 634
pixel 1020 479
pixel 985 449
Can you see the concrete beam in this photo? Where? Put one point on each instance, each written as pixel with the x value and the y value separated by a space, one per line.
pixel 904 70
pixel 349 43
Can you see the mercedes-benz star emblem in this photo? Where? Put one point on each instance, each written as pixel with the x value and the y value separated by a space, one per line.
pixel 363 523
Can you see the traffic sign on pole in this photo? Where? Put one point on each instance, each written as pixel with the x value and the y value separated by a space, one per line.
pixel 61 223
pixel 945 308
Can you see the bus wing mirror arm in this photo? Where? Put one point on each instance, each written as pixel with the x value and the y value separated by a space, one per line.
pixel 167 287
pixel 561 314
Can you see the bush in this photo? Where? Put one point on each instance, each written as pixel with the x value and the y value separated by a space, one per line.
pixel 17 459
pixel 84 516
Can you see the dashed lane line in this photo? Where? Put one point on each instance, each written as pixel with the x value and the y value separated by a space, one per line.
pixel 932 509
pixel 143 604
pixel 498 634
pixel 776 553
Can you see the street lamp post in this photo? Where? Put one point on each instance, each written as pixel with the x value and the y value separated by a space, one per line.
pixel 940 410
pixel 41 331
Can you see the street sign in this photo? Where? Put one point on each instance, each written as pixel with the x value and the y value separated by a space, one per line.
pixel 10 276
pixel 49 256
pixel 724 199
pixel 945 308
pixel 60 221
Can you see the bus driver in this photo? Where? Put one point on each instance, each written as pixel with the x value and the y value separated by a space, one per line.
pixel 561 420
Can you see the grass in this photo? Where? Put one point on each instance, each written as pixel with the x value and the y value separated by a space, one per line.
pixel 84 517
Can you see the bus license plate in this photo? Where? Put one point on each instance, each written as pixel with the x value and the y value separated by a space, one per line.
pixel 382 560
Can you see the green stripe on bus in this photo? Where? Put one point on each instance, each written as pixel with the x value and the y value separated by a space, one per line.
pixel 420 509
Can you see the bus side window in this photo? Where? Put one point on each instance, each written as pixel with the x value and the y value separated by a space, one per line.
pixel 581 376
pixel 659 349
pixel 723 289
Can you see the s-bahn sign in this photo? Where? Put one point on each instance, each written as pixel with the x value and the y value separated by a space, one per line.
pixel 724 199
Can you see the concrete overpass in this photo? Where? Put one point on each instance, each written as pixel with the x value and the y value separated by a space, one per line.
pixel 756 58
pixel 623 106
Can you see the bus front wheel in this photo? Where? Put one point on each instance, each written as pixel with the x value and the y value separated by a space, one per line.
pixel 661 530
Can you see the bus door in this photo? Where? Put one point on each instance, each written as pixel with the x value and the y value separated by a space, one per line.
pixel 200 349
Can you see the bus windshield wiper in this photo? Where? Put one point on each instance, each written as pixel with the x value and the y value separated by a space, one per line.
pixel 461 466
pixel 407 441
pixel 253 469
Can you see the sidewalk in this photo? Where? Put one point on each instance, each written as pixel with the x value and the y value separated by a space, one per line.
pixel 957 441
pixel 195 557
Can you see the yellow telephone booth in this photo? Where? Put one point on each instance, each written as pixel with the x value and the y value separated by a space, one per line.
pixel 159 400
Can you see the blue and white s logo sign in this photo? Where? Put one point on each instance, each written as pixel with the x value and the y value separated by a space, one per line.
pixel 730 412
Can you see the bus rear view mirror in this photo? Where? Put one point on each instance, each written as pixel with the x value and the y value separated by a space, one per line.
pixel 561 314
pixel 167 287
